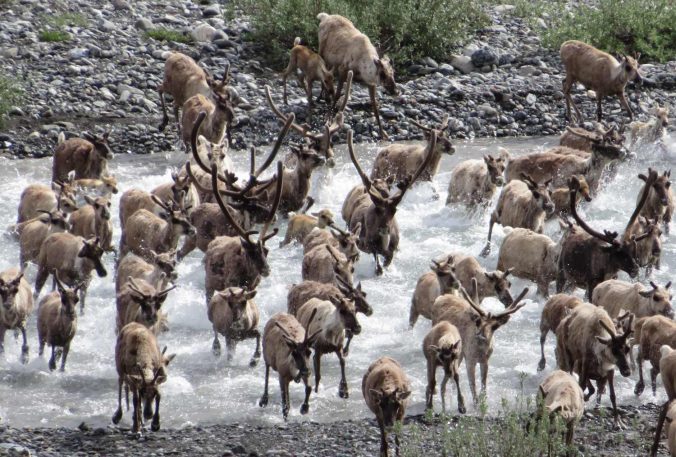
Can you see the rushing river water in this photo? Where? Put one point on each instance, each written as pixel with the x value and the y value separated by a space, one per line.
pixel 204 389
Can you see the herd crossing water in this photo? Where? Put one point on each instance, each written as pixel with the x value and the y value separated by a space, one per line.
pixel 203 389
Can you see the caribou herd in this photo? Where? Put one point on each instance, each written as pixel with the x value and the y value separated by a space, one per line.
pixel 65 229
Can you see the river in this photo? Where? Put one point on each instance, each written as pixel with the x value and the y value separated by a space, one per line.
pixel 202 389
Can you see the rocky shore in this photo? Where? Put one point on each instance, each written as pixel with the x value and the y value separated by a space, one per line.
pixel 502 83
pixel 358 438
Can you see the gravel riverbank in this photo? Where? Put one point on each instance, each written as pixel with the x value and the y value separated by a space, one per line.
pixel 595 436
pixel 503 83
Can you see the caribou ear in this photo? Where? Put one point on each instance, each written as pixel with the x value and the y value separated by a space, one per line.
pixel 434 348
pixel 645 293
pixel 376 394
pixel 642 177
pixel 403 395
pixel 602 340
pixel 168 359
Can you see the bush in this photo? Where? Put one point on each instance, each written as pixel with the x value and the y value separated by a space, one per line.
pixel 405 29
pixel 621 26
pixel 10 95
pixel 164 34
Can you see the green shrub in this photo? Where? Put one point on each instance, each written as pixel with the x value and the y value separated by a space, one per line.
pixel 164 34
pixel 10 95
pixel 53 36
pixel 621 26
pixel 405 29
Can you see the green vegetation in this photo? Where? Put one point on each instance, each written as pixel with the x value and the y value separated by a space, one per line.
pixel 515 432
pixel 10 95
pixel 624 26
pixel 54 30
pixel 405 29
pixel 164 34
pixel 67 19
pixel 52 36
pixel 411 29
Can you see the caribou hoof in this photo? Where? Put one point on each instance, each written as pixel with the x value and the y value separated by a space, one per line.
pixel 462 409
pixel 304 408
pixel 542 364
pixel 486 250
pixel 638 390
pixel 216 348
pixel 155 425
pixel 253 362
pixel 342 391
pixel 117 417
pixel 24 355
pixel 52 364
pixel 263 402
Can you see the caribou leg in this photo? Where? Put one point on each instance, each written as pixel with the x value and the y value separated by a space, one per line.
pixel 374 104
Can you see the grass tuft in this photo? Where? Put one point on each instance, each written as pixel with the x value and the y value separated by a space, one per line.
pixel 10 95
pixel 53 36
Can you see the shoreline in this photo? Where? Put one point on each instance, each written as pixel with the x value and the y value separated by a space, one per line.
pixel 107 75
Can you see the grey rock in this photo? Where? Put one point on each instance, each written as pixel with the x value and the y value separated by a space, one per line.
pixel 504 9
pixel 462 63
pixel 16 111
pixel 484 56
pixel 526 70
pixel 505 59
pixel 219 35
pixel 144 24
pixel 14 450
pixel 94 50
pixel 429 62
pixel 488 110
pixel 107 26
pixel 469 49
pixel 531 99
pixel 224 43
pixel 211 11
pixel 446 69
pixel 121 5
pixel 78 53
pixel 203 32
pixel 9 53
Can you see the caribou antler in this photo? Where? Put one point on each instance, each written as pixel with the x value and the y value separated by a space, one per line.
pixel 133 285
pixel 515 306
pixel 226 212
pixel 652 177
pixel 408 182
pixel 607 236
pixel 350 147
pixel 275 205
